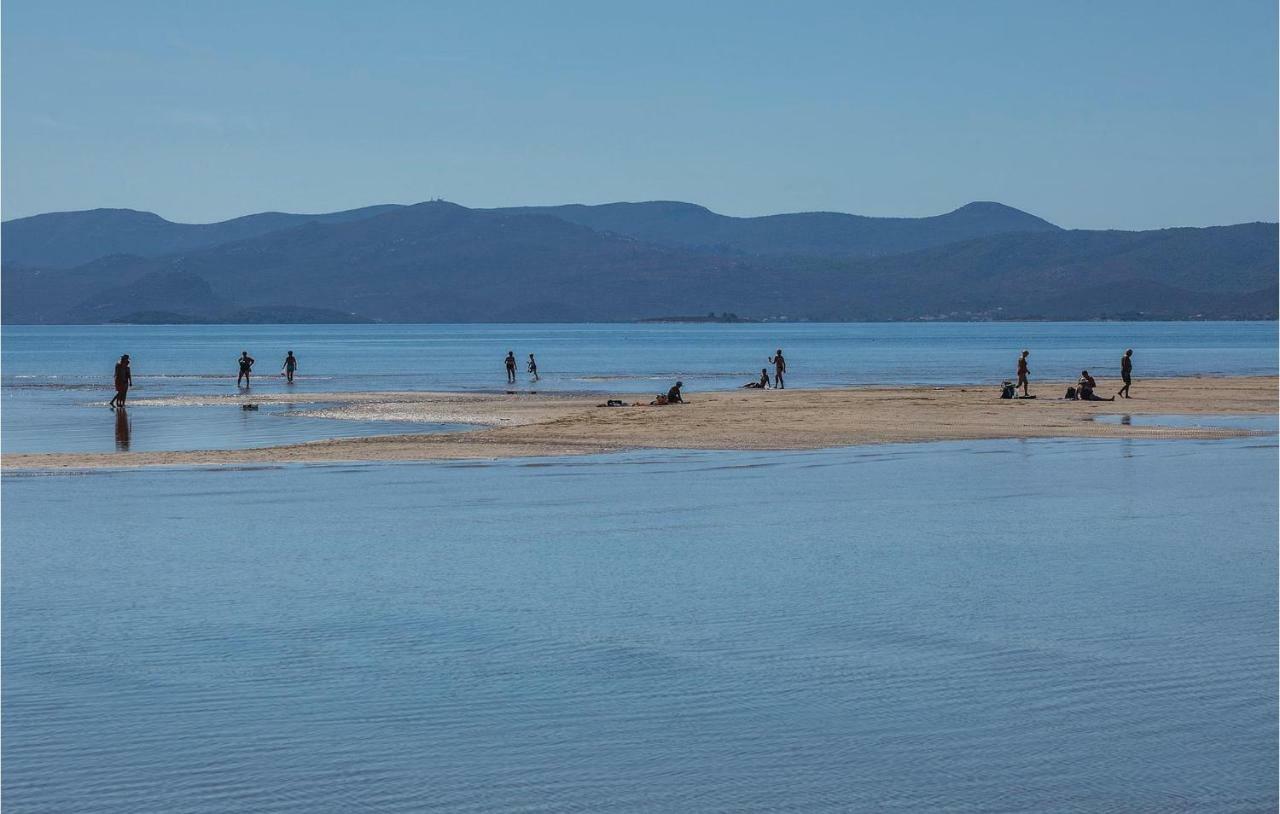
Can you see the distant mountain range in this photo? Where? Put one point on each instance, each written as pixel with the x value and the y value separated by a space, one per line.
pixel 440 262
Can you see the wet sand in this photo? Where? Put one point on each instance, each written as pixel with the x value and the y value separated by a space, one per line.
pixel 527 424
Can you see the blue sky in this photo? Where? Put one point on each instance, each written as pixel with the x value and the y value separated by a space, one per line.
pixel 1122 114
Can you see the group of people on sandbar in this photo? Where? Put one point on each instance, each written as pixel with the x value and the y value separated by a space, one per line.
pixel 779 370
pixel 1086 385
pixel 244 364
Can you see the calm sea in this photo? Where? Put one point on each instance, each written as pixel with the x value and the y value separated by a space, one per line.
pixel 56 380
pixel 1000 626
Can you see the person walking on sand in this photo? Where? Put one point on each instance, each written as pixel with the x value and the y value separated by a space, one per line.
pixel 533 367
pixel 1023 373
pixel 1126 372
pixel 290 365
pixel 511 367
pixel 246 366
pixel 123 380
pixel 779 368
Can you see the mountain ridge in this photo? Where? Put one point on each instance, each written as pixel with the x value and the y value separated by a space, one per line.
pixel 441 262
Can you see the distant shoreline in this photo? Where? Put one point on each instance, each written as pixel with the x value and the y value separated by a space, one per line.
pixel 658 321
pixel 527 425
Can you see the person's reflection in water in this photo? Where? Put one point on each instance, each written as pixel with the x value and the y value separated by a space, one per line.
pixel 1126 420
pixel 122 429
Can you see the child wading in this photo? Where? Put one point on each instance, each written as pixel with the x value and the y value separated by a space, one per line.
pixel 290 365
pixel 533 367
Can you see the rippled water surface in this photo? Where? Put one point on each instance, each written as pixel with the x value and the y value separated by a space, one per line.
pixel 999 626
pixel 57 378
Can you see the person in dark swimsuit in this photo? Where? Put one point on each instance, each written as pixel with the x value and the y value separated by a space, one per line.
pixel 763 383
pixel 246 365
pixel 779 368
pixel 533 367
pixel 1085 387
pixel 511 367
pixel 123 380
pixel 290 365
pixel 1024 373
pixel 673 395
pixel 1126 372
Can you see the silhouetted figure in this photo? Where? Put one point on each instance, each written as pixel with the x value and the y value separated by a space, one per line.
pixel 779 368
pixel 290 365
pixel 533 367
pixel 122 429
pixel 246 366
pixel 511 367
pixel 1085 387
pixel 673 395
pixel 1024 374
pixel 763 383
pixel 123 380
pixel 1126 372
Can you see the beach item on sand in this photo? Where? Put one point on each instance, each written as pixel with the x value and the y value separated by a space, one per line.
pixel 1007 390
pixel 1071 393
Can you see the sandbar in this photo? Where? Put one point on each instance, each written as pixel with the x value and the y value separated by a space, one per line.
pixel 546 424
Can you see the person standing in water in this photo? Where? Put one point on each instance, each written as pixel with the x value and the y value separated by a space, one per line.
pixel 290 365
pixel 779 368
pixel 533 367
pixel 1126 372
pixel 123 381
pixel 1024 373
pixel 511 367
pixel 246 366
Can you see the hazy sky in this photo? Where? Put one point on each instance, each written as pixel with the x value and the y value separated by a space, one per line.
pixel 1123 113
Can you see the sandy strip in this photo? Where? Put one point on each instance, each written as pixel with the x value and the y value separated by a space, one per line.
pixel 517 425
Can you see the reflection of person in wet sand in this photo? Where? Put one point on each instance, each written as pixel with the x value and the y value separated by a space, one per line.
pixel 779 367
pixel 511 367
pixel 246 366
pixel 290 365
pixel 122 429
pixel 123 379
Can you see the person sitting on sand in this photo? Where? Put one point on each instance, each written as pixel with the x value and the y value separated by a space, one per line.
pixel 246 366
pixel 123 380
pixel 763 384
pixel 511 367
pixel 1126 372
pixel 1085 387
pixel 1023 373
pixel 673 395
pixel 779 367
pixel 533 367
pixel 290 365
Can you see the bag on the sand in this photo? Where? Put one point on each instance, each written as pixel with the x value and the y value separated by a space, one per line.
pixel 1071 393
pixel 1007 390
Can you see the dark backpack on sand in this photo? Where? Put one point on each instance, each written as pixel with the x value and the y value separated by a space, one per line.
pixel 1071 393
pixel 1007 390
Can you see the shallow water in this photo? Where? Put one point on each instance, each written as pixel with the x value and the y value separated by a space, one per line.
pixel 1072 625
pixel 56 378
